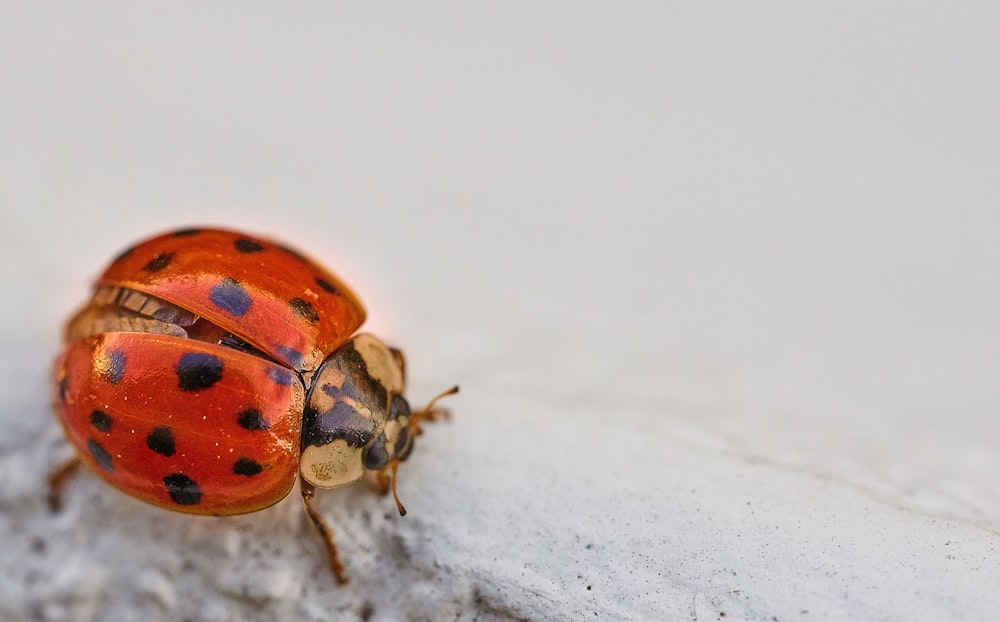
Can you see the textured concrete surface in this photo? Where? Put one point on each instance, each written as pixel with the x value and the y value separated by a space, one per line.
pixel 718 283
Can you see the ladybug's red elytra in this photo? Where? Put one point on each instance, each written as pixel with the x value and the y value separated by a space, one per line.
pixel 210 368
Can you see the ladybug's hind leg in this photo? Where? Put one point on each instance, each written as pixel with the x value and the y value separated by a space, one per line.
pixel 336 566
pixel 57 481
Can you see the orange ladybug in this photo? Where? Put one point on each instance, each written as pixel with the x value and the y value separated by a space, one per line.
pixel 210 368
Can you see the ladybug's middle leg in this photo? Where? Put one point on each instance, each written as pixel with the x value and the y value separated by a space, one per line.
pixel 57 481
pixel 336 566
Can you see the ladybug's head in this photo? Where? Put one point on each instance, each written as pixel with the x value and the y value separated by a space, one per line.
pixel 356 418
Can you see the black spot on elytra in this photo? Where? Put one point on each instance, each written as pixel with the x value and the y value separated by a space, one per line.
pixel 186 233
pixel 304 309
pixel 115 368
pixel 280 375
pixel 292 356
pixel 327 286
pixel 100 455
pixel 251 419
pixel 161 440
pixel 63 388
pixel 230 296
pixel 159 262
pixel 247 466
pixel 101 420
pixel 244 245
pixel 182 489
pixel 197 371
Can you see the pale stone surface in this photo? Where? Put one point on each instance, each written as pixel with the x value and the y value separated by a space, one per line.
pixel 718 285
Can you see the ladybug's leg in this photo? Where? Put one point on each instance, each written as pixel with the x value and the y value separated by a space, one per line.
pixel 385 479
pixel 336 566
pixel 429 413
pixel 381 482
pixel 57 480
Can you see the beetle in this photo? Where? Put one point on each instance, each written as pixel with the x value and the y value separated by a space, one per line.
pixel 211 369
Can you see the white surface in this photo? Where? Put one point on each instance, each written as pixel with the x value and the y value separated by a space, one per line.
pixel 718 282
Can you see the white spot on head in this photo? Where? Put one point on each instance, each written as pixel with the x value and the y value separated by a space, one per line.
pixel 392 431
pixel 380 362
pixel 332 465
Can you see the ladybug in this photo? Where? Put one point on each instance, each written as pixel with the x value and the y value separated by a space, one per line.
pixel 211 368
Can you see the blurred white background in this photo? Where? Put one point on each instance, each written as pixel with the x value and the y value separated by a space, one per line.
pixel 773 225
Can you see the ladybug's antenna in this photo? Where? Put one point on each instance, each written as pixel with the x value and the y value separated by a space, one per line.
pixel 428 413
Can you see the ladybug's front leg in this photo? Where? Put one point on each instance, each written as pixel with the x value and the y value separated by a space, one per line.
pixel 429 413
pixel 385 478
pixel 336 566
pixel 57 481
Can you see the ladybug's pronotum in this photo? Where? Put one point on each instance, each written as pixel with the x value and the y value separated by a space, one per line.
pixel 211 367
